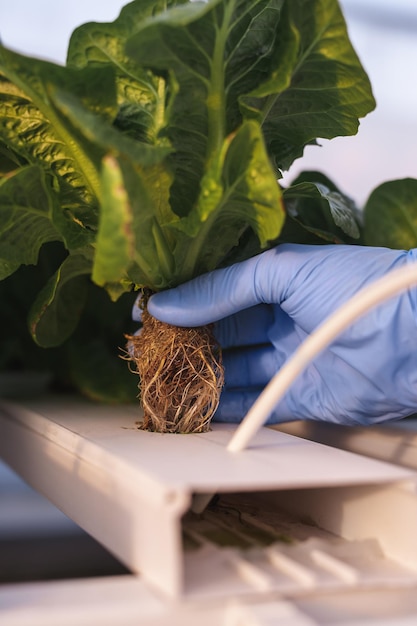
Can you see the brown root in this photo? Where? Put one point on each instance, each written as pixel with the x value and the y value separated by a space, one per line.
pixel 181 375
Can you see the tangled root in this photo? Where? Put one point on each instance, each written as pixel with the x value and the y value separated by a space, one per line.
pixel 181 375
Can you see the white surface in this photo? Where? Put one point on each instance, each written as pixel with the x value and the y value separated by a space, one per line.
pixel 125 600
pixel 108 439
pixel 394 442
pixel 130 489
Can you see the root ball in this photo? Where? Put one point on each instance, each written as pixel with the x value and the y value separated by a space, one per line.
pixel 181 375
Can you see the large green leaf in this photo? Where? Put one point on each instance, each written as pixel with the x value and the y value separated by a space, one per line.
pixel 140 94
pixel 56 311
pixel 30 123
pixel 197 45
pixel 245 195
pixel 328 88
pixel 33 126
pixel 26 211
pixel 391 215
pixel 315 203
pixel 132 246
pixel 115 238
pixel 62 119
pixel 290 65
pixel 141 239
pixel 98 132
pixel 17 292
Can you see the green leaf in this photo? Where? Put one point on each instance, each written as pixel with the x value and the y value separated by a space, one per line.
pixel 56 311
pixel 196 45
pixel 326 88
pixel 321 209
pixel 35 129
pixel 98 132
pixel 246 195
pixel 30 123
pixel 140 94
pixel 115 239
pixel 390 215
pixel 17 293
pixel 131 243
pixel 26 209
pixel 290 65
pixel 141 238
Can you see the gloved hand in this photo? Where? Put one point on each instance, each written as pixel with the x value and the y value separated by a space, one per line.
pixel 266 306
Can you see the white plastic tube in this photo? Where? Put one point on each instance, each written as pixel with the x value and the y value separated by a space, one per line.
pixel 366 299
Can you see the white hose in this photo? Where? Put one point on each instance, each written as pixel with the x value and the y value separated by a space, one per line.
pixel 366 299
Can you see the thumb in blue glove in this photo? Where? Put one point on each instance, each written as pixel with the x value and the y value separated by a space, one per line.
pixel 266 306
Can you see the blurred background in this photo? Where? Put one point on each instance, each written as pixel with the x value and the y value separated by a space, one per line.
pixel 384 34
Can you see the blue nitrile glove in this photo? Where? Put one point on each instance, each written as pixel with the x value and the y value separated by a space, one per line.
pixel 266 306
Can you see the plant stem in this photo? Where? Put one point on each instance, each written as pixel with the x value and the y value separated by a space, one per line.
pixel 216 98
pixel 160 106
pixel 164 255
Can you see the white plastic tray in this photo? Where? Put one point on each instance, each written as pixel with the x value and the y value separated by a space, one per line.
pixel 132 491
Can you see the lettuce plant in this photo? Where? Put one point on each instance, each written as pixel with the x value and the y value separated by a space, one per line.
pixel 155 153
